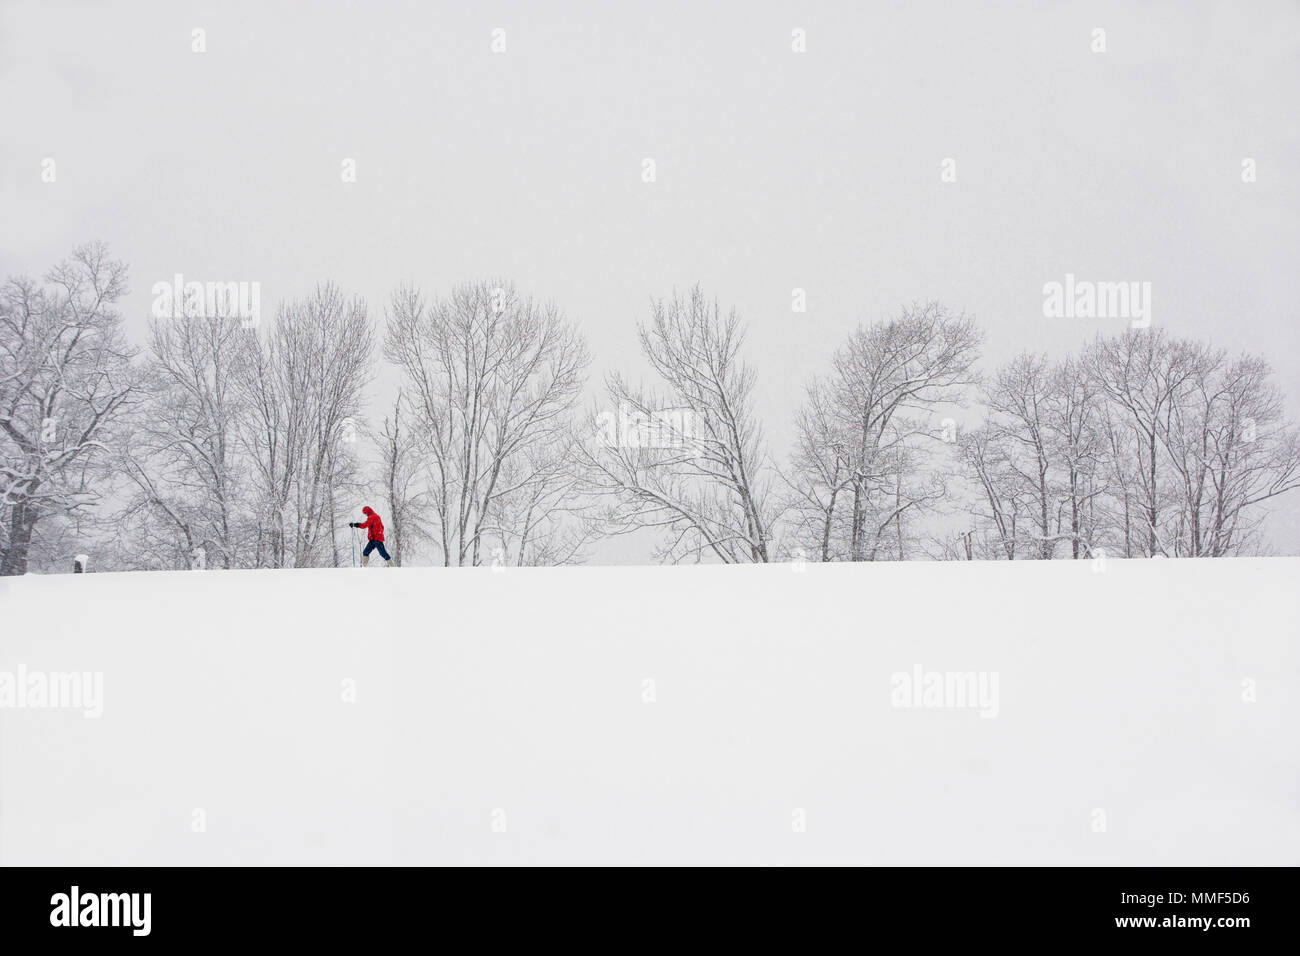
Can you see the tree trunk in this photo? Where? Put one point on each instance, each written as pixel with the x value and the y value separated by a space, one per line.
pixel 23 521
pixel 1128 536
pixel 855 526
pixel 1152 515
pixel 898 507
pixel 1044 546
pixel 826 529
pixel 1074 516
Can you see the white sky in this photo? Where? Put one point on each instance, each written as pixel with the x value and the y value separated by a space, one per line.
pixel 776 170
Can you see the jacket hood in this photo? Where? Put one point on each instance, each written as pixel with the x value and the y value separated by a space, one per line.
pixel 366 510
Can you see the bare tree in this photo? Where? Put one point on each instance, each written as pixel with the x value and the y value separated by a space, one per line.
pixel 1145 374
pixel 999 518
pixel 1019 400
pixel 549 518
pixel 864 429
pixel 1075 424
pixel 494 379
pixel 65 381
pixel 1159 443
pixel 819 473
pixel 1230 448
pixel 405 494
pixel 690 461
pixel 301 386
pixel 187 494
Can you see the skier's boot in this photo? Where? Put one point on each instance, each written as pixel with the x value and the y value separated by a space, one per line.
pixel 365 559
pixel 389 562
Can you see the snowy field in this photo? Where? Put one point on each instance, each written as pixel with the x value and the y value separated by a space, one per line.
pixel 1144 713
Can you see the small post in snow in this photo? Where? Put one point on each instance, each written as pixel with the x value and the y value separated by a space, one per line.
pixel 79 563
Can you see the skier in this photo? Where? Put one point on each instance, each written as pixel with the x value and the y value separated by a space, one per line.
pixel 374 535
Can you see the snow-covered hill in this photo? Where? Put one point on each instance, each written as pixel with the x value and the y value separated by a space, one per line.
pixel 657 715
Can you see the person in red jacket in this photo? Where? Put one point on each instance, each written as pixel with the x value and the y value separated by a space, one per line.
pixel 374 535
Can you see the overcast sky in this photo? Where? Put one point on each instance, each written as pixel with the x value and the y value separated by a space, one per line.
pixel 775 169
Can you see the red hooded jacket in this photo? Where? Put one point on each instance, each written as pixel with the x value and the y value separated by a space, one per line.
pixel 373 527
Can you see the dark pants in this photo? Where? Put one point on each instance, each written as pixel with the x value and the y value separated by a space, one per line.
pixel 376 546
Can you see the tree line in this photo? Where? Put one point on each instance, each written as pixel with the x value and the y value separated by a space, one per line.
pixel 223 444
